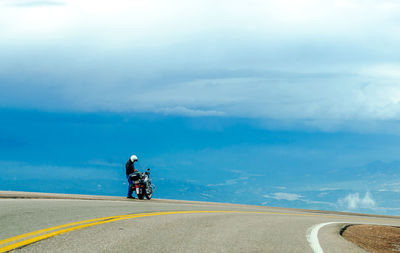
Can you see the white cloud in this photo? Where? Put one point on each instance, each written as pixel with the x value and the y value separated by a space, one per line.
pixel 329 189
pixel 243 177
pixel 353 201
pixel 181 110
pixel 322 194
pixel 284 196
pixel 337 99
pixel 390 187
pixel 316 17
pixel 229 182
pixel 33 3
pixel 383 70
pixel 280 187
pixel 296 197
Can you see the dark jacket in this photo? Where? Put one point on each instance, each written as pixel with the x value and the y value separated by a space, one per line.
pixel 130 167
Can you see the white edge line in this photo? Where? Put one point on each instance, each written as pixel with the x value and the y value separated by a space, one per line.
pixel 312 232
pixel 312 236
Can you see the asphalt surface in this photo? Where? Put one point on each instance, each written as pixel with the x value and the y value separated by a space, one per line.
pixel 247 229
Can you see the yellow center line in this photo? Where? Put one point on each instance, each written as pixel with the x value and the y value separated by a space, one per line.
pixel 93 222
pixel 18 237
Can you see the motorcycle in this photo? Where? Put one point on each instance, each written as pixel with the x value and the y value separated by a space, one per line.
pixel 142 184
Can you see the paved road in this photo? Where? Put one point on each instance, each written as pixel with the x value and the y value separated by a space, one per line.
pixel 164 226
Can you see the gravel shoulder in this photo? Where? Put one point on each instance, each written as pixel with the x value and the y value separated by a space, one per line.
pixel 374 238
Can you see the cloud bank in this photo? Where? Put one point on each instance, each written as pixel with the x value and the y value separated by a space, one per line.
pixel 316 61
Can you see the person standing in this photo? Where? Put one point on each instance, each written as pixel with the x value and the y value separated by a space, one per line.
pixel 130 168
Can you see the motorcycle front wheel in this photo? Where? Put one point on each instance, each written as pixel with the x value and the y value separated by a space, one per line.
pixel 148 193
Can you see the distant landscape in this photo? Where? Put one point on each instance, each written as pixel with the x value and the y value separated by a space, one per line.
pixel 192 164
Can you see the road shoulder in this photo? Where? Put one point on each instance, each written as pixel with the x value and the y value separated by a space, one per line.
pixel 331 241
pixel 374 238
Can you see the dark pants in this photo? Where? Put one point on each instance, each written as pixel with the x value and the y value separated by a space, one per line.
pixel 130 190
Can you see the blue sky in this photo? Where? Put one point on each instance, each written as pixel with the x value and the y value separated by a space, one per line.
pixel 296 100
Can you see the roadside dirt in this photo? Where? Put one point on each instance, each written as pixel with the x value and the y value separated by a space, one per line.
pixel 373 238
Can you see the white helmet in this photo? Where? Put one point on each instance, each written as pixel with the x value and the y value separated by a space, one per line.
pixel 134 158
